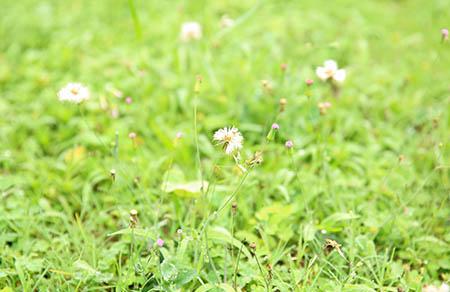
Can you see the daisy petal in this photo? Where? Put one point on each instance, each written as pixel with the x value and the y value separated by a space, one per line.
pixel 331 65
pixel 340 75
pixel 321 73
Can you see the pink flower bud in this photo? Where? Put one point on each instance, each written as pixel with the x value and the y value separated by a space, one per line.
pixel 128 100
pixel 132 135
pixel 309 82
pixel 289 144
pixel 444 33
pixel 160 242
pixel 275 126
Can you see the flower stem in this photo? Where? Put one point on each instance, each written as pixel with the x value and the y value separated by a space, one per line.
pixel 134 16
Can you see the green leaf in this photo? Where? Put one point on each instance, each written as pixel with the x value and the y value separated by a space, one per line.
pixel 309 232
pixel 169 271
pixel 396 270
pixel 279 210
pixel 222 235
pixel 185 275
pixel 191 189
pixel 334 221
pixel 32 265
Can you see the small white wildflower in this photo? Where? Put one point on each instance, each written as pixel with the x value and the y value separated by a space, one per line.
pixel 230 138
pixel 226 21
pixel 191 31
pixel 74 93
pixel 330 70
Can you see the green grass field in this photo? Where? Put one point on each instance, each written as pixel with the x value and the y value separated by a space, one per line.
pixel 359 203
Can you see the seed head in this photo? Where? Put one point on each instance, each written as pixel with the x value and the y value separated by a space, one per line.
pixel 283 103
pixel 234 208
pixel 331 245
pixel 112 173
pixel 252 247
pixel 132 135
pixel 133 218
pixel 198 83
pixel 267 86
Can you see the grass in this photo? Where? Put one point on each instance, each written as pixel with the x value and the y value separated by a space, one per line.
pixel 360 203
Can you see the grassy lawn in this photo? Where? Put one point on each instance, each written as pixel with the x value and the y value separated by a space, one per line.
pixel 341 182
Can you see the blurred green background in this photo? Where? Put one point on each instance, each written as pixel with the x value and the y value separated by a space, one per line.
pixel 371 174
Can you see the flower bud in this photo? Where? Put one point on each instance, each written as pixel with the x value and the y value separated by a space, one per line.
pixel 444 34
pixel 198 83
pixel 271 135
pixel 283 103
pixel 133 218
pixel 160 242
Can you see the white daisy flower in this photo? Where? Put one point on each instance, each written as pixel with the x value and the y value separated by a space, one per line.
pixel 191 31
pixel 230 138
pixel 74 93
pixel 330 70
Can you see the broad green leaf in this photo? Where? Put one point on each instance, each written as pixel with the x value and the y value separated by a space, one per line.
pixel 309 232
pixel 334 221
pixel 169 271
pixel 185 275
pixel 279 210
pixel 190 189
pixel 222 235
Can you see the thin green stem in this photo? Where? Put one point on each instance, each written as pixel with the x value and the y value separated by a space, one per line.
pixel 135 17
pixel 197 147
pixel 237 267
pixel 262 273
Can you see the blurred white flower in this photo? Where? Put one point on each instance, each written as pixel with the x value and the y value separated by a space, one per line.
pixel 230 138
pixel 330 70
pixel 191 31
pixel 74 92
pixel 431 288
pixel 226 21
